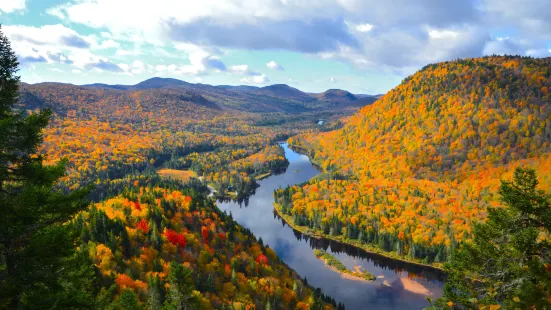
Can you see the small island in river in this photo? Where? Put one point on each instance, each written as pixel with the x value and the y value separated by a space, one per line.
pixel 333 263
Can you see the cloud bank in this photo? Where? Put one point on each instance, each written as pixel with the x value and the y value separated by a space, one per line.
pixel 396 36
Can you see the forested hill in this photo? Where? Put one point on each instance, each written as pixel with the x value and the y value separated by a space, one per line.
pixel 486 111
pixel 412 172
pixel 274 98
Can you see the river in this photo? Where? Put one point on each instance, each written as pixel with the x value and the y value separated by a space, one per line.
pixel 398 285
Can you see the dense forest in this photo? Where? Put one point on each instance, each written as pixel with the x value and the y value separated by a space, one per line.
pixel 411 173
pixel 156 246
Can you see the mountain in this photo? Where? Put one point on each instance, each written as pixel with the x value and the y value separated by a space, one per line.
pixel 155 82
pixel 158 82
pixel 332 94
pixel 285 91
pixel 90 101
pixel 338 97
pixel 274 98
pixel 242 88
pixel 411 173
pixel 369 96
pixel 101 85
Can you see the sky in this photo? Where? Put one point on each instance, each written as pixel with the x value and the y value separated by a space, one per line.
pixel 363 46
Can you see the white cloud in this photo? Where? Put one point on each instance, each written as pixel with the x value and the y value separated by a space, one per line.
pixel 402 40
pixel 137 67
pixel 332 80
pixel 48 43
pixel 503 46
pixel 532 18
pixel 57 44
pixel 200 60
pixel 242 70
pixel 47 35
pixel 239 69
pixel 343 29
pixel 109 44
pixel 443 34
pixel 274 65
pixel 403 53
pixel 56 11
pixel 9 6
pixel 364 27
pixel 255 79
pixel 123 53
pixel 538 52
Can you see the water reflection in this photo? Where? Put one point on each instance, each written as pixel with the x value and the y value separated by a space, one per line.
pixel 398 286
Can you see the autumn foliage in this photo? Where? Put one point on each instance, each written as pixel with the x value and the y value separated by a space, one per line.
pixel 412 172
pixel 175 238
pixel 133 251
pixel 143 226
pixel 262 259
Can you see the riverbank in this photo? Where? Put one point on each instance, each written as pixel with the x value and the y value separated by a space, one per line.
pixel 303 150
pixel 364 247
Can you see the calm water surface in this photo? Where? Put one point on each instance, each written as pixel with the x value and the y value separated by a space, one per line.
pixel 398 285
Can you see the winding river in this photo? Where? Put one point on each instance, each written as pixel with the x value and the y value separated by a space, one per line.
pixel 398 285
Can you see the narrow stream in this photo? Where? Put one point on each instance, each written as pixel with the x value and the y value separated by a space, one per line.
pixel 398 286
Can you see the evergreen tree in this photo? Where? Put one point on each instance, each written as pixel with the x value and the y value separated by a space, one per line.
pixel 34 242
pixel 508 262
pixel 127 301
pixel 181 293
pixel 154 292
pixel 210 283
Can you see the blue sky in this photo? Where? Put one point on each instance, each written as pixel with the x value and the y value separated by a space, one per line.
pixel 364 46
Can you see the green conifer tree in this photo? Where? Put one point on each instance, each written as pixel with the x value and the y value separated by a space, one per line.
pixel 508 263
pixel 34 240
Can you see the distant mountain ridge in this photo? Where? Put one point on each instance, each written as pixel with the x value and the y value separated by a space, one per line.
pixel 275 89
pixel 268 99
pixel 155 82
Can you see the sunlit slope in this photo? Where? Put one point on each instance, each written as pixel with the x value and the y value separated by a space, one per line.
pixel 422 163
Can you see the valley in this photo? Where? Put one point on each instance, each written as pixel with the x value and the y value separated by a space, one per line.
pixel 397 284
pixel 167 194
pixel 275 155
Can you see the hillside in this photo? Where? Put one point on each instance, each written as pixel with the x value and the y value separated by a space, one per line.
pixel 158 245
pixel 412 172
